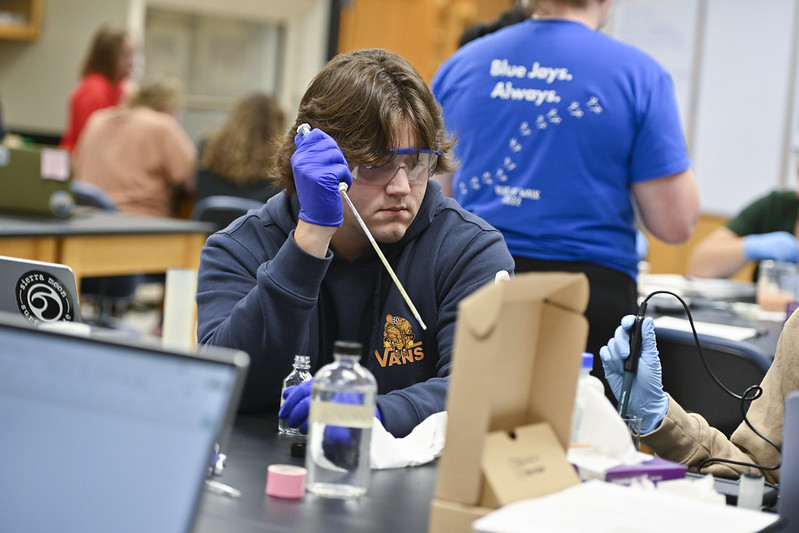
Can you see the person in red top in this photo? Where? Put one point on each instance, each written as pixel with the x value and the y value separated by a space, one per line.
pixel 104 80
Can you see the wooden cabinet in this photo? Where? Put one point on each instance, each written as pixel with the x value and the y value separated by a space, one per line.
pixel 20 20
pixel 425 32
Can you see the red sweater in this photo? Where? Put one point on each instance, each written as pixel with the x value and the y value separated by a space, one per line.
pixel 94 92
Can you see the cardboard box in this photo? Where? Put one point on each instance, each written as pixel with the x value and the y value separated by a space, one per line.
pixel 517 354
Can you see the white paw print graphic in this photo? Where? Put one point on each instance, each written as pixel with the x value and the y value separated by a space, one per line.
pixel 487 178
pixel 509 164
pixel 514 145
pixel 501 176
pixel 475 183
pixel 541 122
pixel 462 188
pixel 593 105
pixel 553 117
pixel 575 111
pixel 524 129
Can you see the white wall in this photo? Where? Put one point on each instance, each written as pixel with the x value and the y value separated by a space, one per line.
pixel 37 77
pixel 734 67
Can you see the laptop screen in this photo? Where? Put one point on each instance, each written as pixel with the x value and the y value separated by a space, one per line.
pixel 789 471
pixel 100 436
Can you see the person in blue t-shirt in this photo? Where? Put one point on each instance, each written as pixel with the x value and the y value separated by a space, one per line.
pixel 563 135
pixel 300 273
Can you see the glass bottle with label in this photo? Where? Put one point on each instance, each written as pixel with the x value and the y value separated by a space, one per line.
pixel 340 425
pixel 300 373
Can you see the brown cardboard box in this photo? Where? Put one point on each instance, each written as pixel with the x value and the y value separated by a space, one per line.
pixel 517 354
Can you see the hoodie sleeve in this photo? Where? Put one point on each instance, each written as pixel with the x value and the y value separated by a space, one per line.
pixel 257 306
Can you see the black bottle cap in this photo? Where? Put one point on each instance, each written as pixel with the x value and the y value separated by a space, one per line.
pixel 347 348
pixel 298 449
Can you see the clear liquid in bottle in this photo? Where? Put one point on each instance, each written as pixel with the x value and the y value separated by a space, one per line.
pixel 340 429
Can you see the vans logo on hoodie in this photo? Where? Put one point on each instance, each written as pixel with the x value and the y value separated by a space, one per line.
pixel 399 343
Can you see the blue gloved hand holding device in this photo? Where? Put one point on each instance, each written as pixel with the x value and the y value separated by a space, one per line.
pixel 646 397
pixel 777 245
pixel 319 166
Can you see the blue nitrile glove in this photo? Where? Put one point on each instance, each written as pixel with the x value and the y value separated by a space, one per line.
pixel 647 398
pixel 341 444
pixel 778 245
pixel 297 406
pixel 319 166
pixel 641 245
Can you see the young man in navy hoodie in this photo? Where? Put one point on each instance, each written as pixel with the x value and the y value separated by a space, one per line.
pixel 300 273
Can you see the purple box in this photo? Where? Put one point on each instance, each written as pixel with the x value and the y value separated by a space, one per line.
pixel 655 469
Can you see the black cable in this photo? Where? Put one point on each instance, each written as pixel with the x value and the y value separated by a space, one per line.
pixel 750 394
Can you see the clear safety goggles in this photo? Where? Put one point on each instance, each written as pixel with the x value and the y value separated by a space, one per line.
pixel 419 165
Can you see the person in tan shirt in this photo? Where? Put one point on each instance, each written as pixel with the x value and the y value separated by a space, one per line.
pixel 139 154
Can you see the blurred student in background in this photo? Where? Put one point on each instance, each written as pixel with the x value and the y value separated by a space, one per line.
pixel 515 14
pixel 138 153
pixel 236 158
pixel 765 229
pixel 105 80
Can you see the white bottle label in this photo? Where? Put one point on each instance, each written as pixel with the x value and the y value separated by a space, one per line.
pixel 341 414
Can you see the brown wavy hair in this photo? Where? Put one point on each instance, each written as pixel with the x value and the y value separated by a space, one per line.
pixel 242 149
pixel 360 99
pixel 161 92
pixel 104 51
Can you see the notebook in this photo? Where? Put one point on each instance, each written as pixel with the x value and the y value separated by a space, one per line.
pixel 788 506
pixel 100 435
pixel 39 291
pixel 35 180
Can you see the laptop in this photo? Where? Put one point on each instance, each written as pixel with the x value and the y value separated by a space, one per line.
pixel 104 435
pixel 35 180
pixel 788 506
pixel 39 291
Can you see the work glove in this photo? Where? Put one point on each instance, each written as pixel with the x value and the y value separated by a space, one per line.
pixel 297 407
pixel 778 245
pixel 319 166
pixel 647 398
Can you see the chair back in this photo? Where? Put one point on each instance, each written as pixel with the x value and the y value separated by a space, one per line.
pixel 738 365
pixel 89 195
pixel 222 210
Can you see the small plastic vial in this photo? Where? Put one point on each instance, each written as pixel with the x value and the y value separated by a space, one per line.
pixel 750 491
pixel 340 425
pixel 584 381
pixel 300 372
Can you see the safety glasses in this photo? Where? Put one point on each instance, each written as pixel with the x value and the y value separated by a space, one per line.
pixel 419 165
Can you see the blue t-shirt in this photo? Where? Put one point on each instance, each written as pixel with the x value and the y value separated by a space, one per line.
pixel 555 122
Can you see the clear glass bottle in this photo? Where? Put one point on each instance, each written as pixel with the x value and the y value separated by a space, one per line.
pixel 340 431
pixel 300 373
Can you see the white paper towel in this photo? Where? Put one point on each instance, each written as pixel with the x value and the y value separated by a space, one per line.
pixel 421 446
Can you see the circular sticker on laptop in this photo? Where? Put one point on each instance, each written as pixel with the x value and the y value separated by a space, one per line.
pixel 41 297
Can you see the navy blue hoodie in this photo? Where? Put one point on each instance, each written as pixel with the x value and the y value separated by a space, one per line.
pixel 259 292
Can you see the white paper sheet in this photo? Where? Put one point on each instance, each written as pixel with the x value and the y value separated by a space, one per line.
pixel 602 507
pixel 735 333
